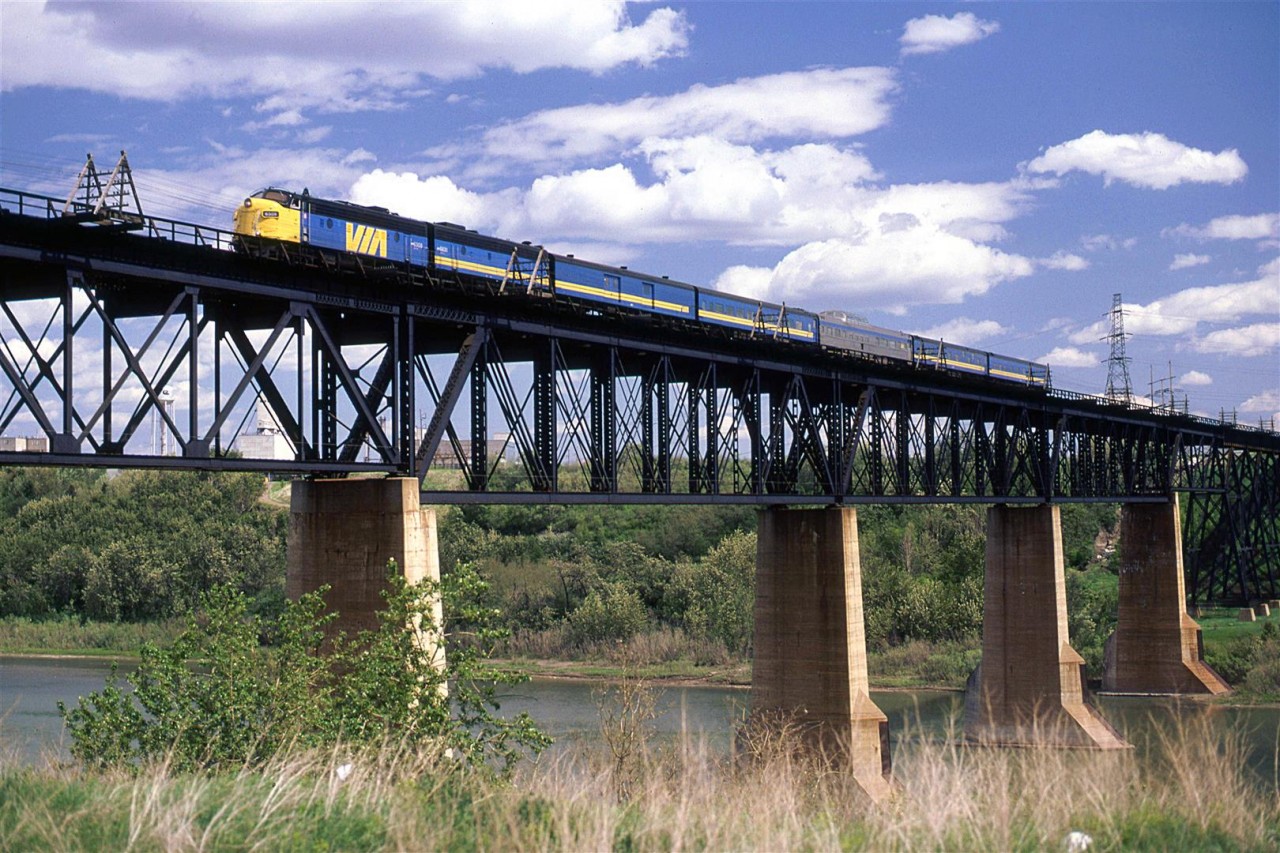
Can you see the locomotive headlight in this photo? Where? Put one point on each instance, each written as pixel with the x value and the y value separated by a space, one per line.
pixel 248 202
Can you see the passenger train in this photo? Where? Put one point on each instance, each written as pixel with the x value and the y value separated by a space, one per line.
pixel 373 234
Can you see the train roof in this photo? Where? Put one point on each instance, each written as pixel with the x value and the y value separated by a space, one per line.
pixel 840 318
pixel 623 271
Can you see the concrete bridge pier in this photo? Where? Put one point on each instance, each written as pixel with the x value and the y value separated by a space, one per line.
pixel 1029 688
pixel 1156 647
pixel 343 532
pixel 810 665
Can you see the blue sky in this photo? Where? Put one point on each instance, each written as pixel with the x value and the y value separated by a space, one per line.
pixel 988 173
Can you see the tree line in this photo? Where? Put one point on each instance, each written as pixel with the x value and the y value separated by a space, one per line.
pixel 566 580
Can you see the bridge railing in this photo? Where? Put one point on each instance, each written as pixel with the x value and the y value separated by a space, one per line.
pixel 1155 408
pixel 47 207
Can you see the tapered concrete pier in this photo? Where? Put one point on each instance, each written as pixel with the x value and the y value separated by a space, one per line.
pixel 343 533
pixel 1029 690
pixel 810 662
pixel 1156 647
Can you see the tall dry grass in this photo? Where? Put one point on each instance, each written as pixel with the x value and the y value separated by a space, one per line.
pixel 1186 789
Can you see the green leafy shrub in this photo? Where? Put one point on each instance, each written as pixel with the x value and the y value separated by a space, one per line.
pixel 216 698
pixel 1093 600
pixel 611 613
pixel 1232 659
pixel 719 593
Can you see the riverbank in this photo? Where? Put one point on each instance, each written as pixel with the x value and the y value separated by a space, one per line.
pixel 1246 653
pixel 73 637
pixel 1187 790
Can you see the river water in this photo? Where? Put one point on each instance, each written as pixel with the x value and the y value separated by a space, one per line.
pixel 31 729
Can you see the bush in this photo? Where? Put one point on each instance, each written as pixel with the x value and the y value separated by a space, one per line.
pixel 611 613
pixel 1093 600
pixel 215 698
pixel 1233 659
pixel 720 593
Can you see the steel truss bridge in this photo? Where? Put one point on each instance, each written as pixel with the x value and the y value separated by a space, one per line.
pixel 117 329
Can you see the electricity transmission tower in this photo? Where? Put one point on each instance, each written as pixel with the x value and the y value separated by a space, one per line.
pixel 1118 388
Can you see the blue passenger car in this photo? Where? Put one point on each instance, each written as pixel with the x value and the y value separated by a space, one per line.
pixel 931 353
pixel 620 287
pixel 760 318
pixel 1018 370
pixel 455 249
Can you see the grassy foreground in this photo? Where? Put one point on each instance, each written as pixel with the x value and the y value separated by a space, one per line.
pixel 1186 791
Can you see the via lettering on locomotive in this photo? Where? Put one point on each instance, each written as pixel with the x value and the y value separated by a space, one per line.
pixel 366 240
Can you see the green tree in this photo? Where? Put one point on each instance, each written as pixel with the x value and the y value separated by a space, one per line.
pixel 140 545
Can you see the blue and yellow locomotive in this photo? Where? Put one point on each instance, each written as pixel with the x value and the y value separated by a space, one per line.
pixel 374 235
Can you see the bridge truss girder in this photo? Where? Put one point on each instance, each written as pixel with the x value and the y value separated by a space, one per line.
pixel 359 377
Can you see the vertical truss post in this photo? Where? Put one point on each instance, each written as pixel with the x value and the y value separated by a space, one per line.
pixel 957 470
pixel 1044 464
pixel 930 448
pixel 981 453
pixel 775 480
pixel 604 451
pixel 665 380
pixel 193 364
pixel 218 335
pixel 68 360
pixel 751 414
pixel 544 417
pixel 107 377
pixel 405 385
pixel 694 392
pixel 902 423
pixel 479 479
pixel 647 392
pixel 326 399
pixel 1002 482
pixel 877 450
pixel 711 471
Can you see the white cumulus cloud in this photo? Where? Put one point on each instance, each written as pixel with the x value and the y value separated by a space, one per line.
pixel 1069 357
pixel 963 330
pixel 891 269
pixel 1267 402
pixel 1249 341
pixel 436 198
pixel 1182 312
pixel 1064 261
pixel 340 56
pixel 704 188
pixel 822 103
pixel 937 33
pixel 1257 227
pixel 1148 160
pixel 1182 262
pixel 1195 377
pixel 1098 242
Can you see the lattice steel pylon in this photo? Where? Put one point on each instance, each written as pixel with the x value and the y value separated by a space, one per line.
pixel 1118 387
